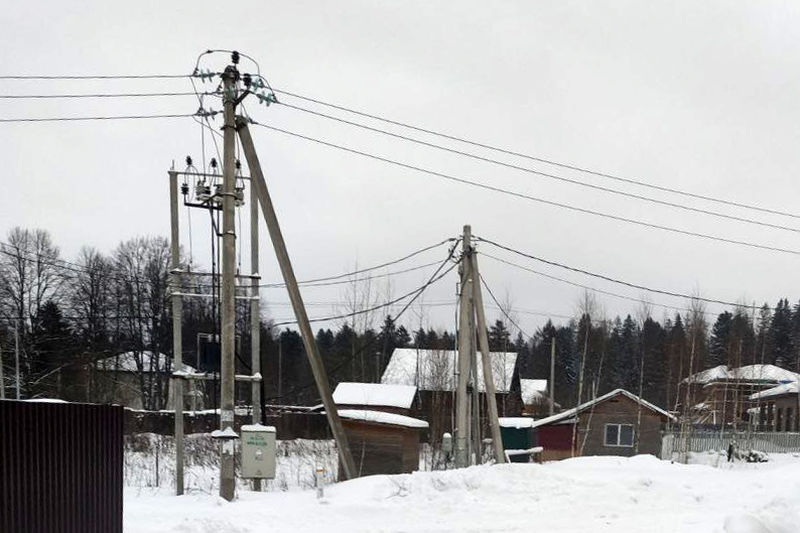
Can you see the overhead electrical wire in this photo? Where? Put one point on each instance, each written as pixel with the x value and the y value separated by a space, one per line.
pixel 524 196
pixel 118 117
pixel 552 162
pixel 95 95
pixel 544 174
pixel 431 280
pixel 414 293
pixel 613 280
pixel 587 287
pixel 97 77
pixel 501 308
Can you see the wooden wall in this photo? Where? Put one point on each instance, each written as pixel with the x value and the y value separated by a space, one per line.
pixel 381 448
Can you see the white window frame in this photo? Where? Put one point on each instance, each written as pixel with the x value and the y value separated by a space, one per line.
pixel 619 435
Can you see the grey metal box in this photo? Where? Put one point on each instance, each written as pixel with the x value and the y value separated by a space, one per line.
pixel 258 451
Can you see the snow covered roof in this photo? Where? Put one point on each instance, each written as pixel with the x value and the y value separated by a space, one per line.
pixel 381 417
pixel 516 422
pixel 533 390
pixel 377 394
pixel 434 370
pixel 745 373
pixel 126 362
pixel 570 413
pixel 785 388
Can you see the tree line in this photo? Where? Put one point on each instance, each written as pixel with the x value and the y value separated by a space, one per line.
pixel 70 314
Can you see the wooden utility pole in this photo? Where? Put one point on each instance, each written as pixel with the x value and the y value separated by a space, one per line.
pixel 227 484
pixel 317 367
pixel 552 384
pixel 464 350
pixel 486 359
pixel 177 333
pixel 255 317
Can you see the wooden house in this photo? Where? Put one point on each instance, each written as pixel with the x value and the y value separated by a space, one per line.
pixel 722 395
pixel 616 423
pixel 777 409
pixel 432 372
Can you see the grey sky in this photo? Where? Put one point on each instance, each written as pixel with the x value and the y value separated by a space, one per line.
pixel 695 96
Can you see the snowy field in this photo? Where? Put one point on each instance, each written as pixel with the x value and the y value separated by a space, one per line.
pixel 640 494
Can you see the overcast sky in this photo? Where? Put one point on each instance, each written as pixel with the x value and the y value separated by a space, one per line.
pixel 696 96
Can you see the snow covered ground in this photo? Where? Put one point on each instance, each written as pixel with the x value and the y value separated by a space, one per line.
pixel 640 494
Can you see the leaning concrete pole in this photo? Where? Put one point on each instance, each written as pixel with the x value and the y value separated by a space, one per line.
pixel 464 350
pixel 486 359
pixel 177 320
pixel 227 484
pixel 317 367
pixel 255 316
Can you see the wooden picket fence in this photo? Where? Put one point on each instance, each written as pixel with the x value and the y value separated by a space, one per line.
pixel 673 442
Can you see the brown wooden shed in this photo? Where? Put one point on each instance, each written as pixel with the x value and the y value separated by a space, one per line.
pixel 616 423
pixel 381 442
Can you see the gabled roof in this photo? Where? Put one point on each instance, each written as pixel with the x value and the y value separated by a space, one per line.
pixel 571 413
pixel 374 394
pixel 434 370
pixel 745 373
pixel 533 390
pixel 780 390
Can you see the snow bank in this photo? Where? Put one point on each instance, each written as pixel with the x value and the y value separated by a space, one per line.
pixel 578 495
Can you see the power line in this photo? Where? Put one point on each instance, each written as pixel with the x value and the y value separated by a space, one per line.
pixel 587 287
pixel 371 343
pixel 465 181
pixel 119 117
pixel 97 95
pixel 568 166
pixel 500 307
pixel 369 269
pixel 97 77
pixel 415 293
pixel 544 174
pixel 613 280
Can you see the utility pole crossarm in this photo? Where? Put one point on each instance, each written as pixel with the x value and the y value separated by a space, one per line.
pixel 317 366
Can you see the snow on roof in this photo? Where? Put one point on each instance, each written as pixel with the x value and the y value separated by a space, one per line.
pixel 570 413
pixel 785 388
pixel 127 362
pixel 746 373
pixel 434 370
pixel 533 390
pixel 377 394
pixel 381 417
pixel 516 422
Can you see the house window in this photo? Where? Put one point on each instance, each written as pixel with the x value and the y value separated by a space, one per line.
pixel 619 435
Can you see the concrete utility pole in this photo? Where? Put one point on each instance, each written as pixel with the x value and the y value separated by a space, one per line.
pixel 475 399
pixel 464 350
pixel 255 317
pixel 177 333
pixel 552 384
pixel 488 376
pixel 227 485
pixel 317 367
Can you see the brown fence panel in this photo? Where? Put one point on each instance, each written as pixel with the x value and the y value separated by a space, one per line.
pixel 60 467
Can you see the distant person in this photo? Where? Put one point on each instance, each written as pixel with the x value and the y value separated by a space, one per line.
pixel 731 451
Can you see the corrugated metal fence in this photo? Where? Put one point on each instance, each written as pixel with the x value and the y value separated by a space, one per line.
pixel 60 467
pixel 703 441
